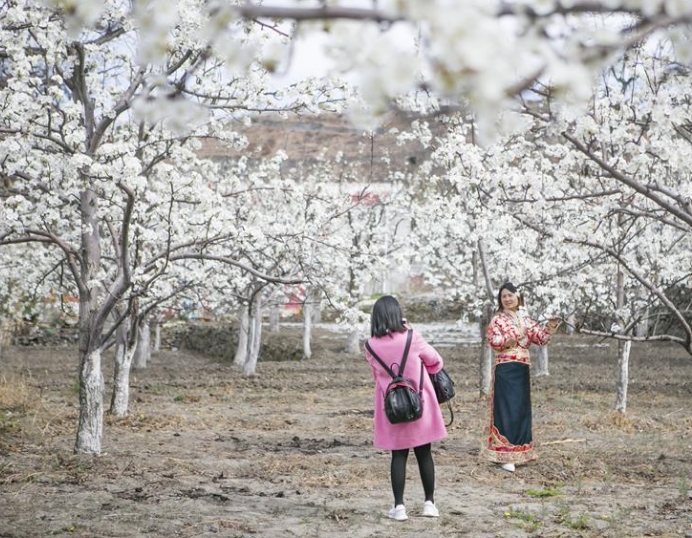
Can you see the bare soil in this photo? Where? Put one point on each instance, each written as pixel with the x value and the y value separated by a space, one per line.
pixel 208 452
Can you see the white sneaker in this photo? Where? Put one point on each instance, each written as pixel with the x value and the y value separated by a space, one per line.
pixel 509 467
pixel 398 513
pixel 430 510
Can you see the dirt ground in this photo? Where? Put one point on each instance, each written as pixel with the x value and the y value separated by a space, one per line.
pixel 207 452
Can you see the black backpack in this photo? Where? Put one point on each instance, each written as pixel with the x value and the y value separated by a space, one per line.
pixel 402 402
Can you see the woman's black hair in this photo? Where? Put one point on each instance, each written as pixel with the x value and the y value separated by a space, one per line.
pixel 386 317
pixel 509 287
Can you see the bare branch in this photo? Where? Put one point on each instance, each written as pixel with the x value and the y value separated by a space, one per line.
pixel 653 338
pixel 236 263
pixel 644 282
pixel 252 11
pixel 632 183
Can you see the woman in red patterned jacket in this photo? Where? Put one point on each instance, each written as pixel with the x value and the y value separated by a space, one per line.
pixel 510 333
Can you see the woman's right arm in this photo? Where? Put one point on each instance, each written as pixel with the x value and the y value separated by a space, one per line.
pixel 498 338
pixel 431 358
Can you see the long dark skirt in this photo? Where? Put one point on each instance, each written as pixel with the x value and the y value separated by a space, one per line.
pixel 509 434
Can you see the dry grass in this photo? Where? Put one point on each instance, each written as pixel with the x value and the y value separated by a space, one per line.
pixel 283 454
pixel 15 395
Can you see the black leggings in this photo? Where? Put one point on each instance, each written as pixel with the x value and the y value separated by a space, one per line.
pixel 426 467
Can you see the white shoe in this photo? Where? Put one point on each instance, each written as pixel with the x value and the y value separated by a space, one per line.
pixel 509 467
pixel 430 510
pixel 398 513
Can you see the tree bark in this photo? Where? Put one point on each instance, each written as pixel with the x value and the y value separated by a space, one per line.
pixel 310 312
pixel 571 324
pixel 243 333
pixel 157 336
pixel 642 328
pixel 275 316
pixel 142 352
pixel 307 327
pixel 2 338
pixel 541 368
pixel 255 336
pixel 120 398
pixel 485 360
pixel 352 344
pixel 91 386
pixel 624 348
pixel 483 280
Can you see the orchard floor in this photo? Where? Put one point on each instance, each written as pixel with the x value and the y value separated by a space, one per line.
pixel 206 452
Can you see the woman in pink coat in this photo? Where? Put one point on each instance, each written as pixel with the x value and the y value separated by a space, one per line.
pixel 389 334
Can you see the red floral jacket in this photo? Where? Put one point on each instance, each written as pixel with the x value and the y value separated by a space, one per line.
pixel 517 326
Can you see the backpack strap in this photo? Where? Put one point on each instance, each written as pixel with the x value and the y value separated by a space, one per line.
pixel 409 336
pixel 374 355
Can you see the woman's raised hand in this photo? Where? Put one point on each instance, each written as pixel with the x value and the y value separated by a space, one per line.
pixel 553 324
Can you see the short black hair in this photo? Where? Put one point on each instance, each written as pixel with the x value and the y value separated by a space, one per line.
pixel 386 317
pixel 509 287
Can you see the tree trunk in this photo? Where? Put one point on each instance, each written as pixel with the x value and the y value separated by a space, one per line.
pixel 485 362
pixel 317 309
pixel 310 312
pixel 274 317
pixel 624 348
pixel 243 330
pixel 352 344
pixel 541 367
pixel 571 324
pixel 254 336
pixel 2 338
pixel 120 398
pixel 142 353
pixel 308 309
pixel 91 387
pixel 642 328
pixel 157 336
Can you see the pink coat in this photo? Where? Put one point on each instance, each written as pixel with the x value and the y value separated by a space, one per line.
pixel 429 427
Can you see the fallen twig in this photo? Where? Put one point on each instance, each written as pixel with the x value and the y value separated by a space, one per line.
pixel 562 441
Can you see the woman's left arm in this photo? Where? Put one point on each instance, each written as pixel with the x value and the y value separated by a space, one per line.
pixel 537 334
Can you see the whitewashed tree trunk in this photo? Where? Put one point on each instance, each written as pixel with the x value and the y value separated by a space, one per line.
pixel 311 310
pixel 317 309
pixel 157 336
pixel 541 367
pixel 307 338
pixel 91 385
pixel 624 348
pixel 352 344
pixel 571 323
pixel 243 333
pixel 485 369
pixel 120 398
pixel 275 313
pixel 254 337
pixel 308 310
pixel 2 338
pixel 91 388
pixel 485 360
pixel 142 353
pixel 642 328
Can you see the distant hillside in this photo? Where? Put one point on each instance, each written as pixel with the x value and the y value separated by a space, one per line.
pixel 313 139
